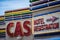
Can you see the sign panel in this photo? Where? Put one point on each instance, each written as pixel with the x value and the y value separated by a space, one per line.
pixel 15 15
pixel 19 29
pixel 45 5
pixel 2 22
pixel 41 2
pixel 2 33
pixel 47 23
pixel 19 25
pixel 49 38
pixel 2 28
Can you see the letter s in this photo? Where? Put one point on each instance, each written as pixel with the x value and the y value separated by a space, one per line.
pixel 25 25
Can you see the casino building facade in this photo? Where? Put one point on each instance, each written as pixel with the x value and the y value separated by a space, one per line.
pixel 41 21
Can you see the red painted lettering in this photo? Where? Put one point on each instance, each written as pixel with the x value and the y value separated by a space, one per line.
pixel 25 25
pixel 18 30
pixel 8 29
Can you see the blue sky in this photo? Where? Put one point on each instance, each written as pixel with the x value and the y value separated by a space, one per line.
pixel 12 5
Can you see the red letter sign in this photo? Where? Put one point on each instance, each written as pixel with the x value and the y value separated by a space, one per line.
pixel 8 29
pixel 25 24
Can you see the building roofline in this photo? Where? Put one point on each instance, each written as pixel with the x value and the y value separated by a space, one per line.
pixel 16 10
